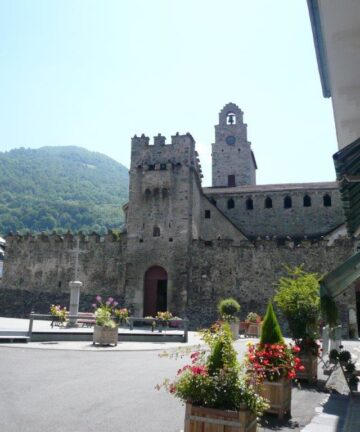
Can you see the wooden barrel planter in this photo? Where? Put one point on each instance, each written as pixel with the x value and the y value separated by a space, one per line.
pixel 200 419
pixel 105 335
pixel 309 362
pixel 278 394
pixel 253 330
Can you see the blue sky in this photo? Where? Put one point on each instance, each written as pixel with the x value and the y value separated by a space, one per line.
pixel 94 73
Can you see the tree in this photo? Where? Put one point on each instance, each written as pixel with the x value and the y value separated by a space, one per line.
pixel 298 298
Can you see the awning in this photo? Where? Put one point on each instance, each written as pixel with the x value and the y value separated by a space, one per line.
pixel 338 280
pixel 347 166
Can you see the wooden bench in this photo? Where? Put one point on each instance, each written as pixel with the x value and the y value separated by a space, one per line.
pixel 87 319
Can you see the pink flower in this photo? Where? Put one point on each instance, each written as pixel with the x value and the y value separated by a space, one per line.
pixel 98 298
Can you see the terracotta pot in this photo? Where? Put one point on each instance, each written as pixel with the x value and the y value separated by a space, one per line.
pixel 209 419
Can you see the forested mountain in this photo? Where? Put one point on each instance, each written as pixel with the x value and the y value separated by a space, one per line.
pixel 60 188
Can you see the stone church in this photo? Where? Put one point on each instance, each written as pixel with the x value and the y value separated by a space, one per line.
pixel 186 246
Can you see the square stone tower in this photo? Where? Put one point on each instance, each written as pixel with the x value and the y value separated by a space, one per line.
pixel 233 162
pixel 162 220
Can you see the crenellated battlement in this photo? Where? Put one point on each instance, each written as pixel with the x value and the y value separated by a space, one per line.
pixel 160 141
pixel 69 238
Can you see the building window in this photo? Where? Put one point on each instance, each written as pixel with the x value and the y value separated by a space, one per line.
pixel 156 231
pixel 231 204
pixel 287 202
pixel 162 167
pixel 207 214
pixel 231 180
pixel 268 202
pixel 213 201
pixel 151 167
pixel 307 201
pixel 147 193
pixel 249 204
pixel 59 284
pixel 327 200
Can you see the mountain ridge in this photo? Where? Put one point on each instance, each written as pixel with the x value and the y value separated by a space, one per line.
pixel 60 188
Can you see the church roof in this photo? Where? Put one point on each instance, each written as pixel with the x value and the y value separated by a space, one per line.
pixel 271 188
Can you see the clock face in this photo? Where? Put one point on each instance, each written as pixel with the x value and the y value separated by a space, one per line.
pixel 230 140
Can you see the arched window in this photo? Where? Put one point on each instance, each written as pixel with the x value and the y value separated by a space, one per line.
pixel 268 202
pixel 307 201
pixel 156 231
pixel 249 204
pixel 287 202
pixel 230 118
pixel 327 200
pixel 230 203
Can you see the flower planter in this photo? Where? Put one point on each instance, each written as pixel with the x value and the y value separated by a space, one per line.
pixel 309 361
pixel 279 395
pixel 105 335
pixel 199 419
pixel 253 330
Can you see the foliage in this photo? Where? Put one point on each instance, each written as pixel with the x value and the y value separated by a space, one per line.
pixel 61 189
pixel 272 361
pixel 344 356
pixel 253 317
pixel 164 316
pixel 121 314
pixel 104 311
pixel 58 312
pixel 298 298
pixel 214 380
pixel 308 345
pixel 329 310
pixel 334 354
pixel 228 308
pixel 270 331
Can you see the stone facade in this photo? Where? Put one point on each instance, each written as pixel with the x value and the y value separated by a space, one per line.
pixel 185 247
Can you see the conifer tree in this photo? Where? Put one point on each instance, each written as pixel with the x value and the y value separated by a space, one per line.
pixel 271 332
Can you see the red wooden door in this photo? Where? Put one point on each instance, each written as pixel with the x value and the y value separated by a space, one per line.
pixel 155 291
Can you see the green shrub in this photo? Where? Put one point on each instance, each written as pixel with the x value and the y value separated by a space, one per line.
pixel 228 308
pixel 270 332
pixel 344 356
pixel 298 298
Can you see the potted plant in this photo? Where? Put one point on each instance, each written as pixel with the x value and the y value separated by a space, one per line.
pixel 273 365
pixel 228 310
pixel 121 315
pixel 217 396
pixel 163 318
pixel 59 315
pixel 334 356
pixel 254 324
pixel 298 299
pixel 105 329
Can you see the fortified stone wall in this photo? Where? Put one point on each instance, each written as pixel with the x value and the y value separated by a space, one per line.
pixel 249 272
pixel 315 208
pixel 38 270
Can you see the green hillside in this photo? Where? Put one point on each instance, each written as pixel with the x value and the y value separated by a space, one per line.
pixel 60 188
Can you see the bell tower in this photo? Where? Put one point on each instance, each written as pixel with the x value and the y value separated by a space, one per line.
pixel 233 162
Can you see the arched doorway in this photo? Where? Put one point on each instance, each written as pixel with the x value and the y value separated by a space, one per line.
pixel 155 291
